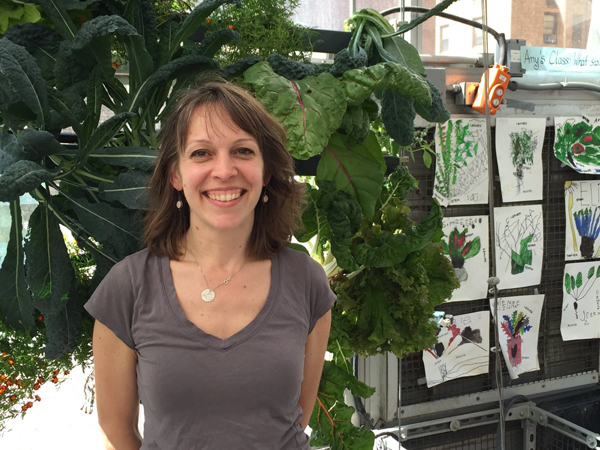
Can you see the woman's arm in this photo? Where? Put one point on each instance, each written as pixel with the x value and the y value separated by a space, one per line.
pixel 117 398
pixel 314 355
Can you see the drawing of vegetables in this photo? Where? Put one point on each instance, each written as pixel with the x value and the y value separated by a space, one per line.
pixel 588 227
pixel 578 142
pixel 514 237
pixel 575 288
pixel 514 327
pixel 459 249
pixel 450 159
pixel 522 148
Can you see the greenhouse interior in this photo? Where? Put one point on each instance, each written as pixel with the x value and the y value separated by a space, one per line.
pixel 337 171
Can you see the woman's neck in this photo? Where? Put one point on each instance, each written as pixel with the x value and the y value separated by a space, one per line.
pixel 226 250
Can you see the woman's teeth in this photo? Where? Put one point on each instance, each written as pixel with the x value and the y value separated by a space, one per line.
pixel 224 196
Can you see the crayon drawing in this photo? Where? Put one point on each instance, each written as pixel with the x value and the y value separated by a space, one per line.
pixel 577 143
pixel 519 153
pixel 581 301
pixel 518 329
pixel 466 244
pixel 461 171
pixel 519 245
pixel 582 211
pixel 462 349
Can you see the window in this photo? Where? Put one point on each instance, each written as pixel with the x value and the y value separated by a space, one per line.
pixel 579 32
pixel 444 38
pixel 551 4
pixel 477 33
pixel 550 28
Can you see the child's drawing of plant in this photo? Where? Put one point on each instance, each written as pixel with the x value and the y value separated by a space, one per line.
pixel 459 250
pixel 452 158
pixel 587 222
pixel 578 142
pixel 514 327
pixel 570 187
pixel 576 289
pixel 514 237
pixel 522 149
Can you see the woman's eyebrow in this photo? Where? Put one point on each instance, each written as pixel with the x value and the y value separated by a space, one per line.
pixel 209 142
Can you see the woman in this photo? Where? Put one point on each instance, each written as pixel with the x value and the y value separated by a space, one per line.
pixel 217 327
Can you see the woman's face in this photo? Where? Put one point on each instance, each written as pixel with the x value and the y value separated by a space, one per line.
pixel 221 172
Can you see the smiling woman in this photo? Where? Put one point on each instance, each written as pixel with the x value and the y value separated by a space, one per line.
pixel 217 296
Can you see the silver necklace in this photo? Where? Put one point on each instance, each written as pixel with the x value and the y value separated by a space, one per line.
pixel 208 294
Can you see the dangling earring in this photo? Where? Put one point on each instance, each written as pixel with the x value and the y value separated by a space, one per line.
pixel 179 203
pixel 265 197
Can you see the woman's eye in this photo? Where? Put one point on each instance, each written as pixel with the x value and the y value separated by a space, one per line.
pixel 245 151
pixel 198 153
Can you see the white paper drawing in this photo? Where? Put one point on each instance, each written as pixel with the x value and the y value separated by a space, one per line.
pixel 519 145
pixel 577 143
pixel 518 328
pixel 582 211
pixel 462 349
pixel 519 245
pixel 466 245
pixel 461 168
pixel 581 301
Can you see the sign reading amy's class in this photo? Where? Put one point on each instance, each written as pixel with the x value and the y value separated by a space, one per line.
pixel 544 59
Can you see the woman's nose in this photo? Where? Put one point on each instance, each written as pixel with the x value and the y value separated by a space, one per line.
pixel 224 167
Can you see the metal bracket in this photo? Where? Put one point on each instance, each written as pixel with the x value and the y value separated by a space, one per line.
pixel 465 92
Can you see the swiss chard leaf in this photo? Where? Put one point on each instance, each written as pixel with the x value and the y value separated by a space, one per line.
pixel 358 170
pixel 310 110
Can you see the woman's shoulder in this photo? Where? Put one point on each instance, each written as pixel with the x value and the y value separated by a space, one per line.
pixel 299 260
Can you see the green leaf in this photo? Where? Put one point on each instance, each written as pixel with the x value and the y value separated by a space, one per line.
pixel 398 115
pixel 356 122
pixel 25 79
pixel 579 281
pixel 50 275
pixel 186 65
pixel 168 31
pixel 358 170
pixel 103 134
pixel 212 43
pixel 94 34
pixel 142 15
pixel 572 282
pixel 310 110
pixel 94 100
pixel 63 104
pixel 16 304
pixel 9 144
pixel 437 111
pixel 142 158
pixel 59 17
pixel 38 144
pixel 404 53
pixel 109 226
pixel 591 272
pixel 388 249
pixel 238 68
pixel 63 327
pixel 314 220
pixel 21 177
pixel 129 188
pixel 598 272
pixel 475 247
pixel 359 84
pixel 423 17
pixel 567 283
pixel 195 20
pixel 70 70
pixel 427 159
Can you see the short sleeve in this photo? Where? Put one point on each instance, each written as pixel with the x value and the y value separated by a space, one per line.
pixel 322 297
pixel 112 302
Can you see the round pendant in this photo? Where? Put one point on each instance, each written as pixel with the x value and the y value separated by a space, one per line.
pixel 208 295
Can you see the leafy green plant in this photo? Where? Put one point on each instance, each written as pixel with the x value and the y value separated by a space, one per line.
pixel 266 26
pixel 522 148
pixel 390 271
pixel 13 13
pixel 452 157
pixel 587 221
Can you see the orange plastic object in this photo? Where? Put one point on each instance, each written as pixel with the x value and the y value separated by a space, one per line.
pixel 498 82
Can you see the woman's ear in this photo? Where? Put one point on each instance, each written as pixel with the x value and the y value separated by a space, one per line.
pixel 176 180
pixel 266 178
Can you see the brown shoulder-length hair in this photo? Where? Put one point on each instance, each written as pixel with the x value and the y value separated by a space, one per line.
pixel 274 222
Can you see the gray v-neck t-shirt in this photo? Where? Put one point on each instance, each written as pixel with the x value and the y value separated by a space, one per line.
pixel 203 393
